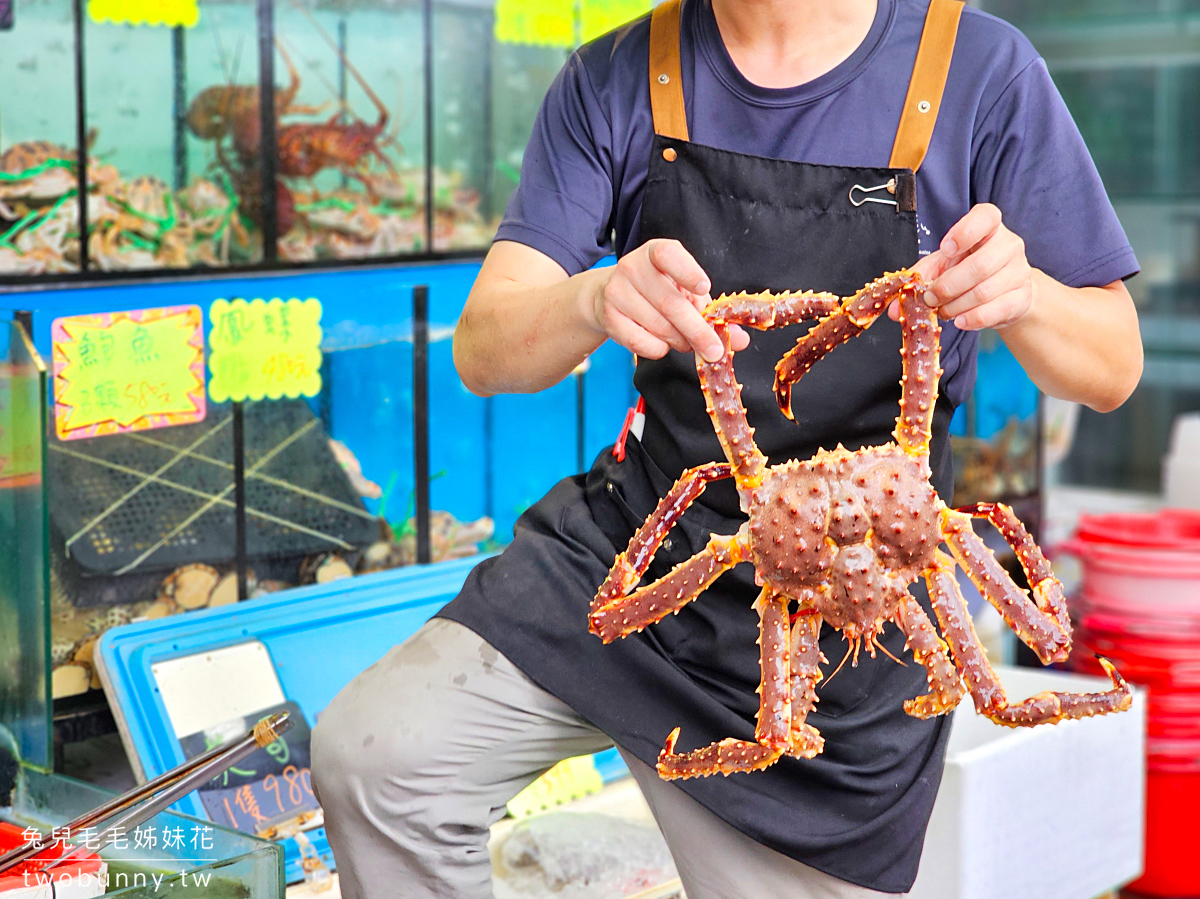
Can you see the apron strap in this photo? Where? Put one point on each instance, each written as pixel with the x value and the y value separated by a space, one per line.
pixel 924 89
pixel 666 78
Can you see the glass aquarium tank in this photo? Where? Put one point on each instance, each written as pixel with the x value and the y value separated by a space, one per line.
pixel 39 141
pixel 225 862
pixel 395 129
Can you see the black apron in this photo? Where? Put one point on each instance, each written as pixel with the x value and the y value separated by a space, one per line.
pixel 858 810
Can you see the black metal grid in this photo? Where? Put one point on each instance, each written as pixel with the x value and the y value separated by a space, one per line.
pixel 153 500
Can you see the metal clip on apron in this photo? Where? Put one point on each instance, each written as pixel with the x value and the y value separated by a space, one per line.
pixel 859 810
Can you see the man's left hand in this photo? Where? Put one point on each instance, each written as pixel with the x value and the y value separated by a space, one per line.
pixel 979 276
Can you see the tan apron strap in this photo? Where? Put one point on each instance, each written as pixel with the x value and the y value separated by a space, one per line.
pixel 666 78
pixel 925 89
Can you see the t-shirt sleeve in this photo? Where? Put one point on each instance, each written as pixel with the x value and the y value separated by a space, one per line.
pixel 564 202
pixel 1030 161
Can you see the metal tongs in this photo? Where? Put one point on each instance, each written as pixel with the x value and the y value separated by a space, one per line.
pixel 169 787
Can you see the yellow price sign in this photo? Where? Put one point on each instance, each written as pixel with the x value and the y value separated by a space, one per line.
pixel 597 17
pixel 569 779
pixel 264 349
pixel 127 371
pixel 20 425
pixel 542 23
pixel 145 12
pixel 554 23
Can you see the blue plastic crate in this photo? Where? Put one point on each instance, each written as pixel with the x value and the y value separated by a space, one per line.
pixel 347 625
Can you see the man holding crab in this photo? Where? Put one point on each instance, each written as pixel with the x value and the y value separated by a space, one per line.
pixel 723 145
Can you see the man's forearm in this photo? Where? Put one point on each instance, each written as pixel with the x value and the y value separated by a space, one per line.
pixel 1079 344
pixel 517 338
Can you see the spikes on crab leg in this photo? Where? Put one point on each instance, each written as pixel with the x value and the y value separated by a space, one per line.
pixel 945 683
pixel 804 740
pixel 855 315
pixel 730 756
pixel 770 310
pixel 775 689
pixel 723 399
pixel 621 616
pixel 1047 590
pixel 1041 622
pixel 773 732
pixel 629 566
pixel 919 383
pixel 990 700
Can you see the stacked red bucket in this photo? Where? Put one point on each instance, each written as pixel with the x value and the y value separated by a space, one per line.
pixel 1139 606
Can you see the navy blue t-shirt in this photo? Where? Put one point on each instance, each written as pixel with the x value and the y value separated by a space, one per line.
pixel 1003 136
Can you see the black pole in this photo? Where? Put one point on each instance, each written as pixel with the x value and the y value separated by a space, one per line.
pixel 421 418
pixel 81 141
pixel 342 98
pixel 239 502
pixel 268 146
pixel 489 490
pixel 179 105
pixel 580 419
pixel 427 27
pixel 487 126
pixel 341 41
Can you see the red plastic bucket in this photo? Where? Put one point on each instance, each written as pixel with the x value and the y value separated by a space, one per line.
pixel 1172 798
pixel 1168 529
pixel 1140 564
pixel 1139 605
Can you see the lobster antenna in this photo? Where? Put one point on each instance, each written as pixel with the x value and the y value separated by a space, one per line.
pixel 310 66
pixel 362 82
pixel 221 49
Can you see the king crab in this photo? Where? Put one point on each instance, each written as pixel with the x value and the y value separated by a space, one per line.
pixel 842 536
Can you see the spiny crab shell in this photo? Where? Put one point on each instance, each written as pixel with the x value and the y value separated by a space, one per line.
pixel 852 526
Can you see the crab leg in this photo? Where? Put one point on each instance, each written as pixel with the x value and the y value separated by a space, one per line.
pixel 723 400
pixel 623 615
pixel 774 711
pixel 1041 622
pixel 853 316
pixel 629 567
pixel 919 383
pixel 945 683
pixel 1047 590
pixel 804 740
pixel 775 690
pixel 770 310
pixel 1044 708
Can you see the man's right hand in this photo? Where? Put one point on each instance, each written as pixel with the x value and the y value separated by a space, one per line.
pixel 652 301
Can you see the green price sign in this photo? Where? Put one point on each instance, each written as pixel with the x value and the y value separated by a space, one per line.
pixel 264 349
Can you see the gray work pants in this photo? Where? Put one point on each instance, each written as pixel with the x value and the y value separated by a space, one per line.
pixel 419 755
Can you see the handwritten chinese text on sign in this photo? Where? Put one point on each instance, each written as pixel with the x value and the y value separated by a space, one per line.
pixel 260 349
pixel 127 371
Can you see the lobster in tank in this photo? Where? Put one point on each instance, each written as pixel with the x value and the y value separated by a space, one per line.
pixel 838 539
pixel 305 148
pixel 231 110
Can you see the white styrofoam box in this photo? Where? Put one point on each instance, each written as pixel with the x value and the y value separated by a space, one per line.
pixel 1181 480
pixel 1047 812
pixel 1181 466
pixel 1185 434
